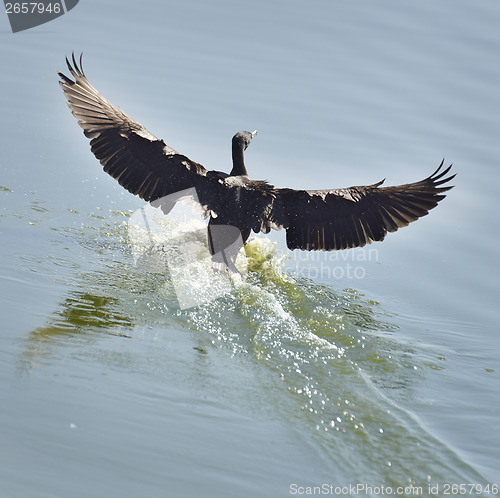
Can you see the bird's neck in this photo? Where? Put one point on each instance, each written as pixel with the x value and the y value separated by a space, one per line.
pixel 238 163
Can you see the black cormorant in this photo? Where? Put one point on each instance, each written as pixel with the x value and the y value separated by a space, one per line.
pixel 313 219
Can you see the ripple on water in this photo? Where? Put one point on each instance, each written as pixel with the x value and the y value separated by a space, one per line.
pixel 339 363
pixel 336 370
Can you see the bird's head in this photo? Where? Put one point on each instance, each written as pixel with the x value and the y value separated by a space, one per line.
pixel 242 139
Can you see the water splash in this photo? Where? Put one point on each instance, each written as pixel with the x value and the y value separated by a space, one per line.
pixel 331 364
pixel 337 360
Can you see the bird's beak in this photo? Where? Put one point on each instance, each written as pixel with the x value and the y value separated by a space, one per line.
pixel 254 133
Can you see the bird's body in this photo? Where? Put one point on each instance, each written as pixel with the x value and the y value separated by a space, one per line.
pixel 313 219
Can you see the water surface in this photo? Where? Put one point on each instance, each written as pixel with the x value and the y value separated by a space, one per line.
pixel 375 366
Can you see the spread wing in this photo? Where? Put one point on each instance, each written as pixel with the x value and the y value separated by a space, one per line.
pixel 313 219
pixel 139 161
pixel 355 216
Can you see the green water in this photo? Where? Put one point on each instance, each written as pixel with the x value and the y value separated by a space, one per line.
pixel 328 361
